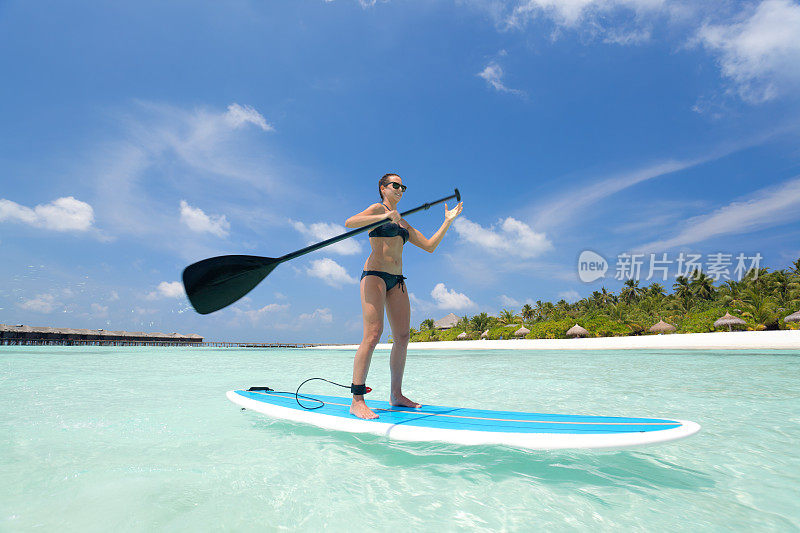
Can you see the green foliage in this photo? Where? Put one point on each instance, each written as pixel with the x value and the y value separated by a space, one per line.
pixel 697 322
pixel 550 329
pixel 426 335
pixel 762 298
pixel 481 322
pixel 451 334
pixel 500 332
pixel 426 324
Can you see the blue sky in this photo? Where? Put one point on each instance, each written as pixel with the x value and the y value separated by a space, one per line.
pixel 137 138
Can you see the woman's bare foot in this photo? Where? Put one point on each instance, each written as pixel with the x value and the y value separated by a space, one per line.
pixel 359 408
pixel 401 401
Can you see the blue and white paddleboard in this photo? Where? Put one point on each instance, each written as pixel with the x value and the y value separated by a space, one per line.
pixel 458 425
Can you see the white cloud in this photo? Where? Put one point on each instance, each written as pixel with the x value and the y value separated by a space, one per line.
pixel 167 289
pixel 766 208
pixel 570 296
pixel 571 13
pixel 171 150
pixel 364 3
pixel 323 315
pixel 63 214
pixel 508 301
pixel 758 49
pixel 568 207
pixel 493 74
pixel 761 53
pixel 512 239
pixel 113 297
pixel 256 315
pixel 99 310
pixel 419 305
pixel 320 231
pixel 330 272
pixel 450 299
pixel 196 220
pixel 237 116
pixel 43 303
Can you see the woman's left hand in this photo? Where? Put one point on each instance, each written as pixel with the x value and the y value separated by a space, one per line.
pixel 450 214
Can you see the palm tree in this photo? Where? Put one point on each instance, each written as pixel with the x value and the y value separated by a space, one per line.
pixel 732 289
pixel 758 306
pixel 596 299
pixel 796 268
pixel 755 277
pixel 539 310
pixel 426 324
pixel 785 290
pixel 607 297
pixel 655 290
pixel 481 322
pixel 527 313
pixel 464 323
pixel 702 285
pixel 682 305
pixel 507 317
pixel 683 293
pixel 616 312
pixel 631 291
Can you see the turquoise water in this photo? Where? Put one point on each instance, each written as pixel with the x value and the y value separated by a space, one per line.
pixel 144 438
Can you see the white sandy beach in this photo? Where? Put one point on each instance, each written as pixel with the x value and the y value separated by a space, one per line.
pixel 736 340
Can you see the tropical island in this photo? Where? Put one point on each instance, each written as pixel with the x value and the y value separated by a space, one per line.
pixel 761 300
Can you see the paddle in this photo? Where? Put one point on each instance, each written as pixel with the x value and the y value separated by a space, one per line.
pixel 214 283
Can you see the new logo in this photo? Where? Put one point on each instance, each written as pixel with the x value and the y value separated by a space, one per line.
pixel 591 266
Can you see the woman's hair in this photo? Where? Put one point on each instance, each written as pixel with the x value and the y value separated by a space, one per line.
pixel 384 181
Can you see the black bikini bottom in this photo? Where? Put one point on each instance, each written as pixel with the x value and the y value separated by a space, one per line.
pixel 389 279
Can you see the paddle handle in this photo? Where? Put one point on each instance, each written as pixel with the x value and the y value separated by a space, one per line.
pixel 343 236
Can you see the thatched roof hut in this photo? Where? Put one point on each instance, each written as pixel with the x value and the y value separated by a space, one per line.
pixel 485 334
pixel 461 336
pixel 521 332
pixel 662 327
pixel 447 322
pixel 577 331
pixel 794 317
pixel 728 320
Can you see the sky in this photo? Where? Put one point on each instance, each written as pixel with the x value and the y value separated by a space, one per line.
pixel 139 137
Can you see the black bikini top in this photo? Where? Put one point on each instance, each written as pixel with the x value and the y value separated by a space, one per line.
pixel 390 229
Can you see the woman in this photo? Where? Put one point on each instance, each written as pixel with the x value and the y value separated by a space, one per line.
pixel 383 287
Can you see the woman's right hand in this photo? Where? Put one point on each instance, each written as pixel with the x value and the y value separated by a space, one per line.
pixel 394 216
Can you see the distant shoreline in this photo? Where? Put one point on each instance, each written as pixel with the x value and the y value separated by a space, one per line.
pixel 735 340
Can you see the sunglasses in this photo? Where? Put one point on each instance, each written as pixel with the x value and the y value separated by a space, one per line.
pixel 397 186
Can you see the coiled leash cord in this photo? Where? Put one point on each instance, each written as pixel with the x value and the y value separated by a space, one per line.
pixel 354 389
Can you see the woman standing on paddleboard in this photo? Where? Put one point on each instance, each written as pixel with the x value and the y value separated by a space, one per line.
pixel 383 287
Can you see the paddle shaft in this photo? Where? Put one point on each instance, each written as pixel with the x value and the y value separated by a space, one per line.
pixel 343 236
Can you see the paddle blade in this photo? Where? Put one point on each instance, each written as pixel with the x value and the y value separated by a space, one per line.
pixel 214 283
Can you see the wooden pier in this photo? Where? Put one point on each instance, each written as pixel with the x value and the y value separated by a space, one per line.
pixel 64 342
pixel 21 335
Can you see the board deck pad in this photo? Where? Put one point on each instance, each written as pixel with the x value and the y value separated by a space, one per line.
pixel 470 426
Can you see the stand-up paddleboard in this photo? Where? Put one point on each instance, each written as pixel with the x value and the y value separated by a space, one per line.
pixel 470 426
